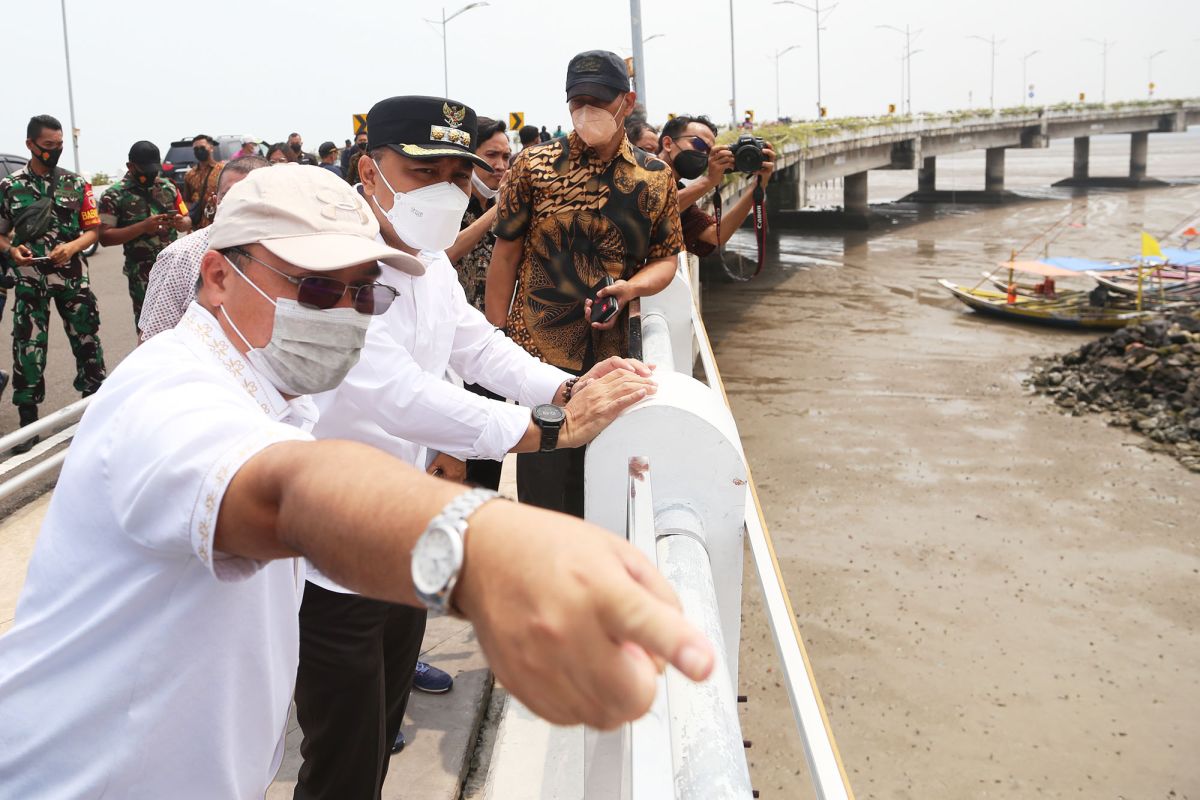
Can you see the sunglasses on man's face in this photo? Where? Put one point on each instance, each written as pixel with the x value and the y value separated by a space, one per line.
pixel 698 144
pixel 322 293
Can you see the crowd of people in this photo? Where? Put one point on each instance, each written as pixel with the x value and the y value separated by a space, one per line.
pixel 267 496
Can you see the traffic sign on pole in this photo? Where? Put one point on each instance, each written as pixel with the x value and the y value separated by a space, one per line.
pixel 360 124
pixel 516 120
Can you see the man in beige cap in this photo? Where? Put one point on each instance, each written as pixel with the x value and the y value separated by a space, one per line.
pixel 159 614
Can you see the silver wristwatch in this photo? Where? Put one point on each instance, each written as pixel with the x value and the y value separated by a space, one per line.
pixel 437 557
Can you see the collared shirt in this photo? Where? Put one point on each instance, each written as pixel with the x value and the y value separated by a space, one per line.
pixel 581 219
pixel 126 203
pixel 172 285
pixel 201 184
pixel 74 212
pixel 472 268
pixel 142 662
pixel 396 397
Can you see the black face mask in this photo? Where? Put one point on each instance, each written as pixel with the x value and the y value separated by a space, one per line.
pixel 201 154
pixel 295 147
pixel 690 164
pixel 48 157
pixel 146 176
pixel 362 145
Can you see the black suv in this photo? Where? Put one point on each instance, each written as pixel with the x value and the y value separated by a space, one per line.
pixel 180 159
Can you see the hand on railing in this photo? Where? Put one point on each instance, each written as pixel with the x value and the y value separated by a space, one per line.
pixel 597 401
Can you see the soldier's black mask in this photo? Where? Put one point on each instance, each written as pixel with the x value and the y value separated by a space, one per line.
pixel 146 175
pixel 48 157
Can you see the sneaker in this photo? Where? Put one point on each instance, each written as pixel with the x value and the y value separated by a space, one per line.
pixel 398 745
pixel 431 679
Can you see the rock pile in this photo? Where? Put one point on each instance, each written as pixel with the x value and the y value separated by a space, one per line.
pixel 1146 377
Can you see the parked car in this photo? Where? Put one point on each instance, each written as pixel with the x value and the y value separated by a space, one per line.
pixel 179 159
pixel 10 163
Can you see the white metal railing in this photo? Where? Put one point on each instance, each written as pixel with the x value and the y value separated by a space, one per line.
pixel 687 503
pixel 67 415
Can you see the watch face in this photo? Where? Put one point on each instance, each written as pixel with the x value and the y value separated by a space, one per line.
pixel 435 560
pixel 551 414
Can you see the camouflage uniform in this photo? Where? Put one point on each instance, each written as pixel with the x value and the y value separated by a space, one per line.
pixel 124 204
pixel 73 212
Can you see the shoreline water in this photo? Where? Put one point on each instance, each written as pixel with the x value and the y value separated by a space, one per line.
pixel 998 600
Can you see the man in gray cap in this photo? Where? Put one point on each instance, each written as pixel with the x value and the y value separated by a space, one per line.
pixel 159 614
pixel 581 220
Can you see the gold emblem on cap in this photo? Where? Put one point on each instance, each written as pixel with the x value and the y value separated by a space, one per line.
pixel 587 64
pixel 452 135
pixel 454 114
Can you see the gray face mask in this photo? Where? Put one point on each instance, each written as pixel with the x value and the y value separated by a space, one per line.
pixel 311 350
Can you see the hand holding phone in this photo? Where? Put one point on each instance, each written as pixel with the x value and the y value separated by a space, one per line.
pixel 603 308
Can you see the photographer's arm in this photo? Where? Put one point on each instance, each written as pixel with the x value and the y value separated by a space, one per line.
pixel 733 218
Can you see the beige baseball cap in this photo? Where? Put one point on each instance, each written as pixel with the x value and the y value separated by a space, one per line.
pixel 307 216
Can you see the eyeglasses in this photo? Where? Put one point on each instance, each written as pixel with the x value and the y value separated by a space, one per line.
pixel 323 293
pixel 698 144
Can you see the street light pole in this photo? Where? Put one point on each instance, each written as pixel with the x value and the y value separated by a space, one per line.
pixel 70 90
pixel 1150 71
pixel 1024 83
pixel 1104 46
pixel 732 73
pixel 905 63
pixel 778 54
pixel 445 43
pixel 816 10
pixel 992 91
pixel 639 55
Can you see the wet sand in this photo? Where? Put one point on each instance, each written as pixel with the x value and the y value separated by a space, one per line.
pixel 998 600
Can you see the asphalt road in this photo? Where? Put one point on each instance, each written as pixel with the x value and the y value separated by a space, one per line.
pixel 117 335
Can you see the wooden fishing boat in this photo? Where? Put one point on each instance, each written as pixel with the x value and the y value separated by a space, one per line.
pixel 1072 312
pixel 1178 275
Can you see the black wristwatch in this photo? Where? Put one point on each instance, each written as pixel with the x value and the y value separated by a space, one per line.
pixel 550 419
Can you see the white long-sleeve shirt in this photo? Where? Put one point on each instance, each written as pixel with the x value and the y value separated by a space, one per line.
pixel 397 399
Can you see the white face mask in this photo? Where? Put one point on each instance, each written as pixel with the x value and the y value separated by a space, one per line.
pixel 428 218
pixel 311 349
pixel 485 191
pixel 594 125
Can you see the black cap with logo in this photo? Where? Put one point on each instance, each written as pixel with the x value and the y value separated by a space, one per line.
pixel 326 148
pixel 597 73
pixel 424 128
pixel 145 154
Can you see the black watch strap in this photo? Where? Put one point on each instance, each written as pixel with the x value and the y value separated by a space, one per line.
pixel 550 429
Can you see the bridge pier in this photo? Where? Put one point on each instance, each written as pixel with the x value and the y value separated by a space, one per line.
pixel 993 171
pixel 1139 148
pixel 1083 146
pixel 1139 144
pixel 854 194
pixel 927 175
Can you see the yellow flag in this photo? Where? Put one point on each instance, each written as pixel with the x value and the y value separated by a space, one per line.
pixel 1150 246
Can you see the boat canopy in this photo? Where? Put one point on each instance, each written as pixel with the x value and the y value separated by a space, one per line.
pixel 1061 266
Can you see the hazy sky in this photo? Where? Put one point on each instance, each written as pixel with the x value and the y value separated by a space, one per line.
pixel 268 67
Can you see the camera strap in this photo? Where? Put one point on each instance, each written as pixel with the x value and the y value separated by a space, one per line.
pixel 760 224
pixel 760 230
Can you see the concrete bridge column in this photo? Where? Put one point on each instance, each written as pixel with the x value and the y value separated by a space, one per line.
pixel 1139 144
pixel 854 193
pixel 785 191
pixel 993 176
pixel 1082 149
pixel 927 175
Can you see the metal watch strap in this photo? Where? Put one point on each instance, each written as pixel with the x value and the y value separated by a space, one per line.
pixel 454 515
pixel 463 506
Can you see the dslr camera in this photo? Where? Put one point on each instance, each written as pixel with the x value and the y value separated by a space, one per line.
pixel 747 154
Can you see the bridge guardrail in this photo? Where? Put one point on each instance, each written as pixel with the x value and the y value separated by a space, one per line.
pixel 686 499
pixel 12 464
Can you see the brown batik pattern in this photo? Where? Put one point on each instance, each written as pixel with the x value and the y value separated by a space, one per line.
pixel 581 219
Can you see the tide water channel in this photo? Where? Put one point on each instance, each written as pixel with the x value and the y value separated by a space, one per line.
pixel 998 600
